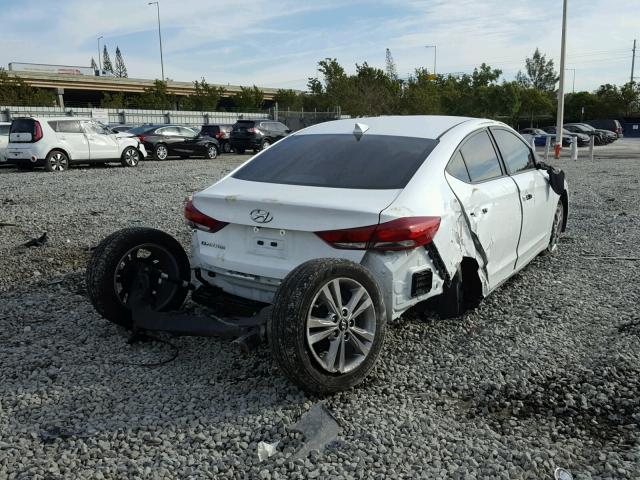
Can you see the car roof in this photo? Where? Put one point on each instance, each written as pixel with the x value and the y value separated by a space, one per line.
pixel 420 126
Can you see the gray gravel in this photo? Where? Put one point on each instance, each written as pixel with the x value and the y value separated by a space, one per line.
pixel 544 373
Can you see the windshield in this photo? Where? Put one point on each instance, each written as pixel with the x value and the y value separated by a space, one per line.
pixel 340 161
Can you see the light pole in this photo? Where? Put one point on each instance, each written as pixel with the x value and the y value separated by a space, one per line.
pixel 157 4
pixel 560 119
pixel 99 60
pixel 435 51
pixel 573 86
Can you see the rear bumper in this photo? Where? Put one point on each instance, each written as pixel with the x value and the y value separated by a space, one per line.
pixel 245 143
pixel 22 156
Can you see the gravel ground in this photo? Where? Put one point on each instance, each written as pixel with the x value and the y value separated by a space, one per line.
pixel 544 373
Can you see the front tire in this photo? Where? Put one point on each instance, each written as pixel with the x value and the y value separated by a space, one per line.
pixel 130 157
pixel 226 147
pixel 327 326
pixel 111 268
pixel 56 161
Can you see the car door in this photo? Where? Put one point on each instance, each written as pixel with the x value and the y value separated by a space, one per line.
pixel 73 139
pixel 102 142
pixel 490 202
pixel 172 139
pixel 537 198
pixel 190 142
pixel 4 141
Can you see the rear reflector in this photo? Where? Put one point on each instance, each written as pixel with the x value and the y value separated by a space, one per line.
pixel 400 234
pixel 196 219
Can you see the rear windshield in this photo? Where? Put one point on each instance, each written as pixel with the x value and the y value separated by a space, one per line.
pixel 22 125
pixel 142 129
pixel 340 161
pixel 244 124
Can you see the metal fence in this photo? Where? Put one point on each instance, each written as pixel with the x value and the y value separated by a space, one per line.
pixel 297 120
pixel 133 116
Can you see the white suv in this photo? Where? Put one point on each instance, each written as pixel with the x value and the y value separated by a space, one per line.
pixel 57 142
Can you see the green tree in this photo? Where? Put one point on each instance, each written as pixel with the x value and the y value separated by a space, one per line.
pixel 205 97
pixel 289 99
pixel 120 68
pixel 15 92
pixel 249 98
pixel 390 66
pixel 106 61
pixel 541 73
pixel 155 97
pixel 113 100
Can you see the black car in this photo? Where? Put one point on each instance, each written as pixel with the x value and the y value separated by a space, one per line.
pixel 608 135
pixel 583 139
pixel 611 125
pixel 256 134
pixel 220 133
pixel 162 141
pixel 600 139
pixel 540 136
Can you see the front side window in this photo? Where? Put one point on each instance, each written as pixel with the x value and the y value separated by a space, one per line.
pixel 480 158
pixel 516 155
pixel 373 162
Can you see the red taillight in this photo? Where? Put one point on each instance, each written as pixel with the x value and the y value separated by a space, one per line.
pixel 37 135
pixel 196 219
pixel 141 138
pixel 253 130
pixel 399 234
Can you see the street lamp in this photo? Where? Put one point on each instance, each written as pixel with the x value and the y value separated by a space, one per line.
pixel 99 60
pixel 435 50
pixel 157 4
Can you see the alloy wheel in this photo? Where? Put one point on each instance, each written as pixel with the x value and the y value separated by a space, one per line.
pixel 59 162
pixel 341 325
pixel 131 157
pixel 161 152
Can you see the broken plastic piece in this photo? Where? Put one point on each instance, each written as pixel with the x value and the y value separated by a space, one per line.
pixel 319 428
pixel 562 474
pixel 265 450
pixel 36 242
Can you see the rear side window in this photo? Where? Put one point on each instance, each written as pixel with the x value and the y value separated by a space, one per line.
pixel 4 129
pixel 69 126
pixel 480 158
pixel 457 168
pixel 22 125
pixel 516 155
pixel 340 161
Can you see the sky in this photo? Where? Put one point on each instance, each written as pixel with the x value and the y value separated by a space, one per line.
pixel 278 43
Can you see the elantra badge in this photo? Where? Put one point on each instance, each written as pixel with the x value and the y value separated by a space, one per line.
pixel 260 216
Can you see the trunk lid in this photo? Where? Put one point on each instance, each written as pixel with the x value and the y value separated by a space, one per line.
pixel 292 207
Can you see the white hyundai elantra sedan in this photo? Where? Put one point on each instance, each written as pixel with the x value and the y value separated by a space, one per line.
pixel 345 225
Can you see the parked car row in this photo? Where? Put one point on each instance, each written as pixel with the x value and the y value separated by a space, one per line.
pixel 582 132
pixel 55 143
